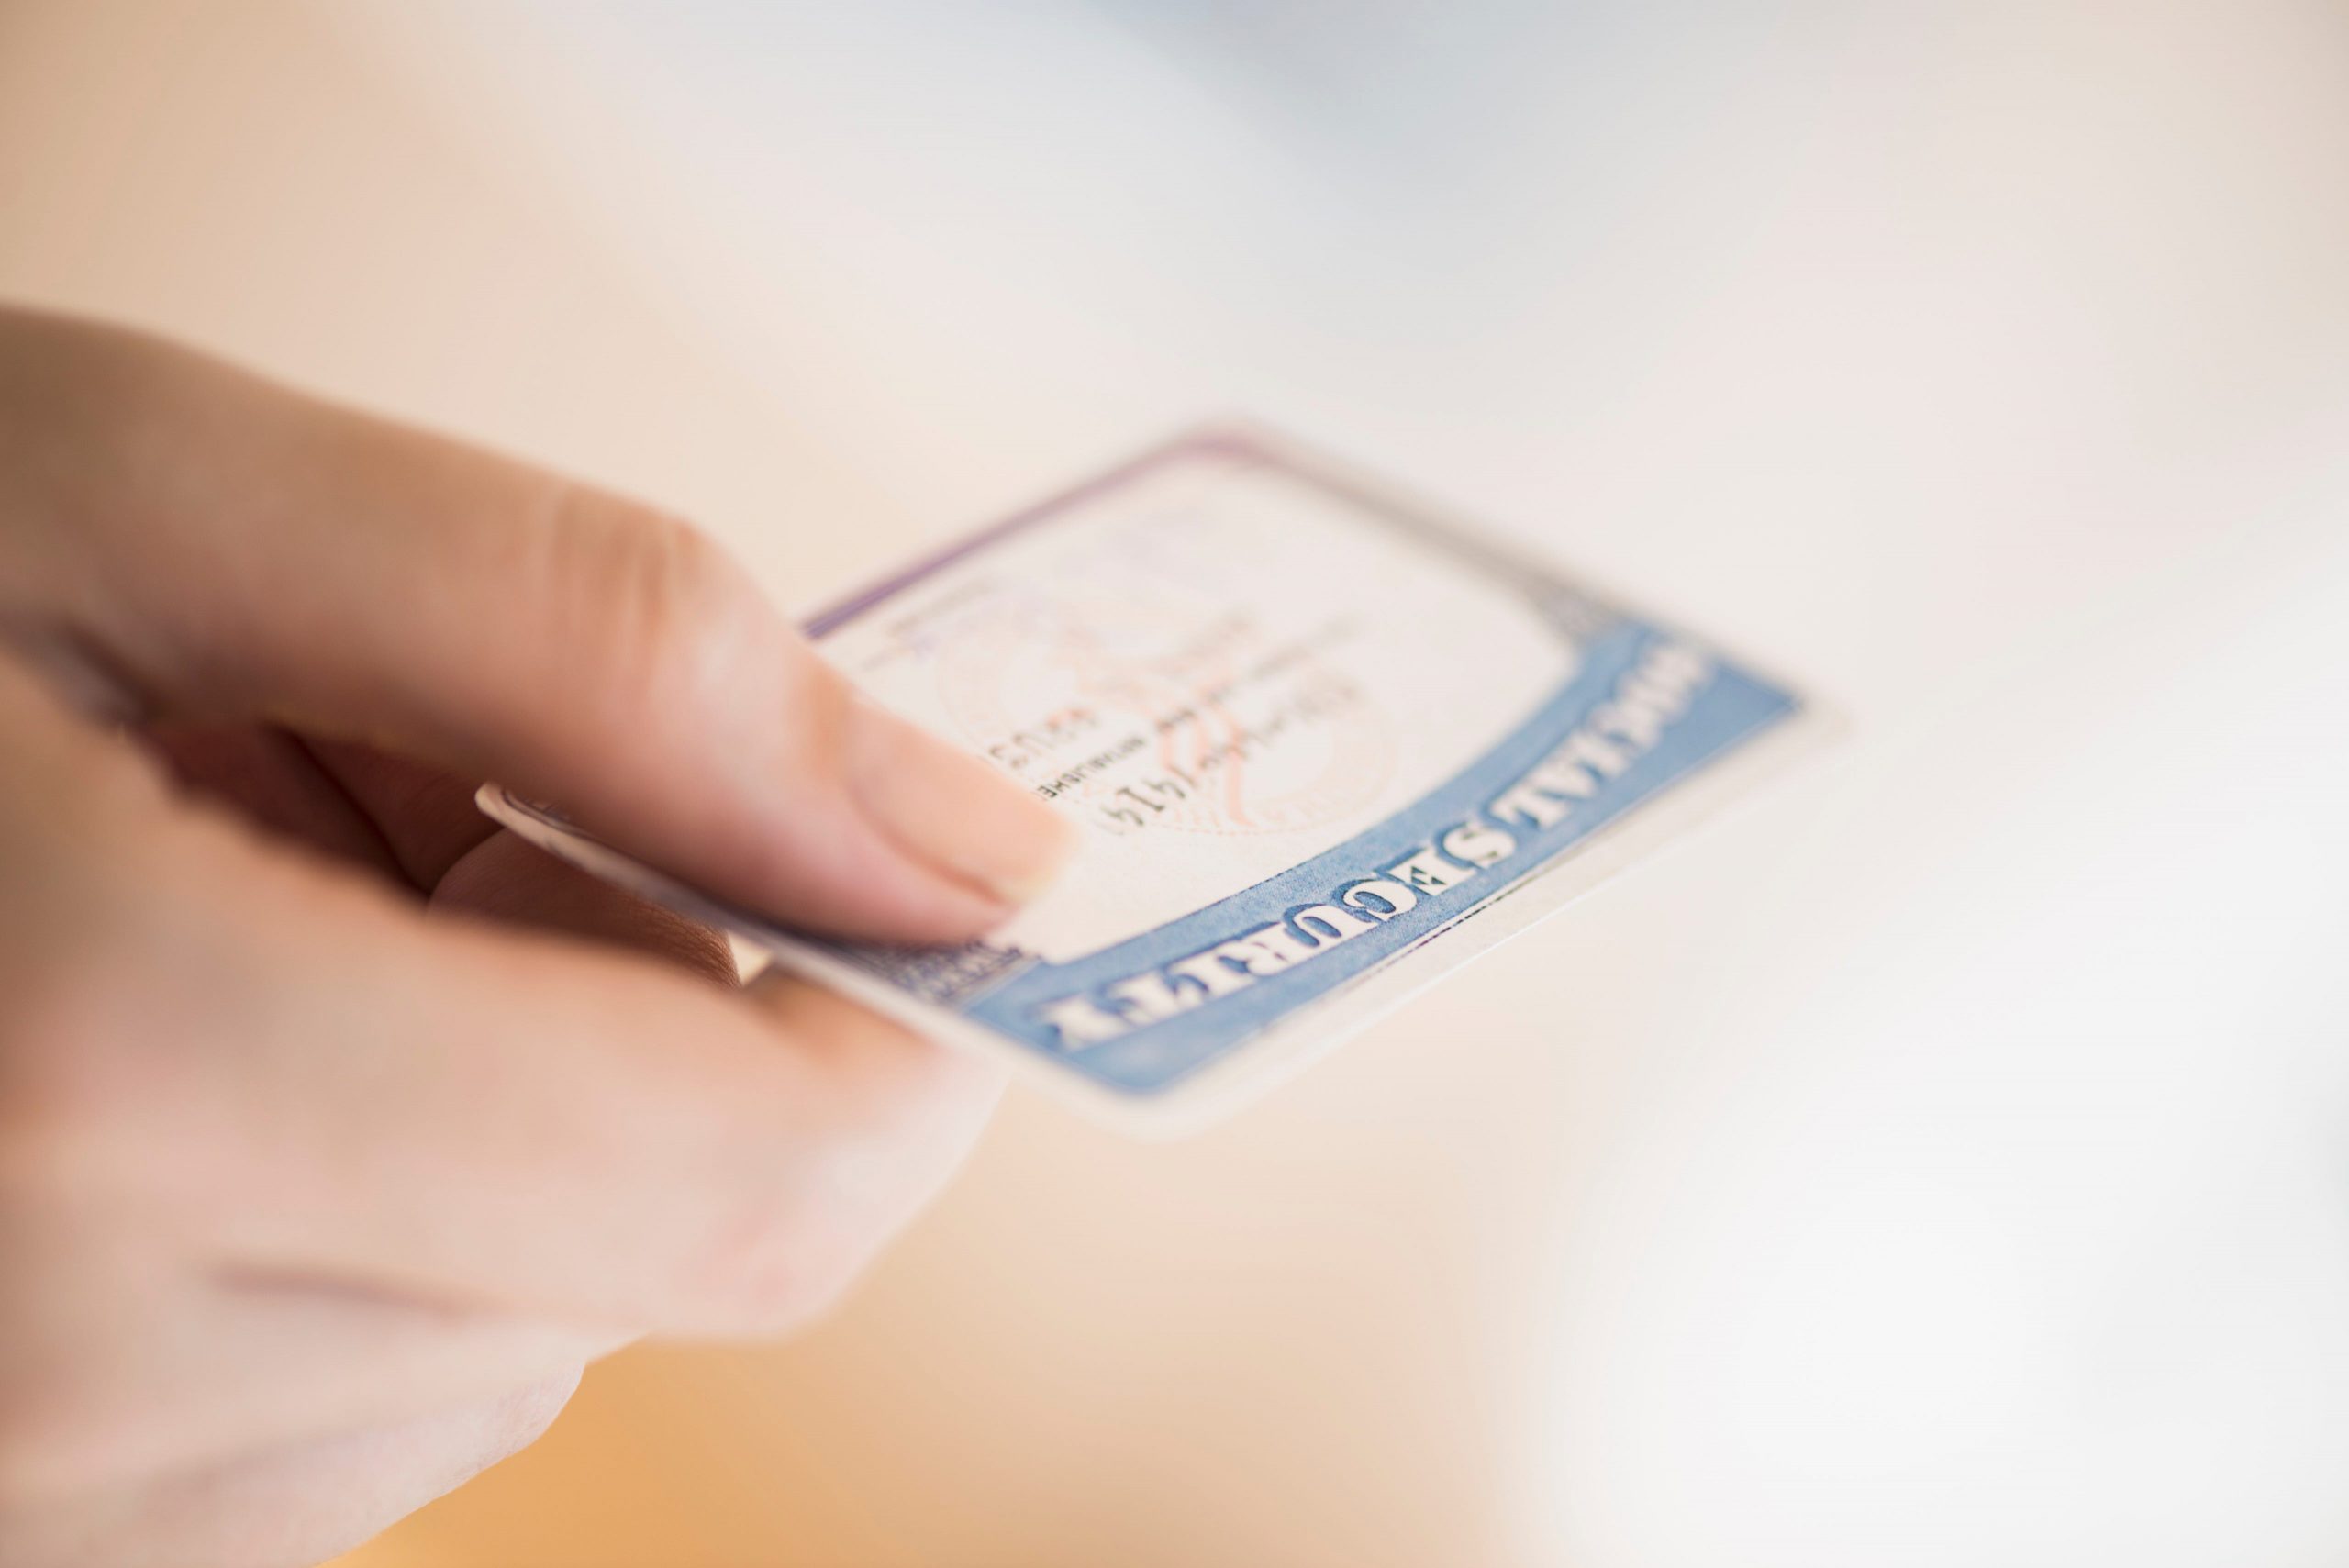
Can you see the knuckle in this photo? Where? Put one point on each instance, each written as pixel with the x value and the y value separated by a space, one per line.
pixel 665 616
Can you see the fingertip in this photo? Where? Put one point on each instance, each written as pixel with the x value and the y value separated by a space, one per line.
pixel 954 811
pixel 884 1058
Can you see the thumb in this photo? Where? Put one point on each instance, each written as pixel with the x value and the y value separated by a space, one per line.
pixel 227 549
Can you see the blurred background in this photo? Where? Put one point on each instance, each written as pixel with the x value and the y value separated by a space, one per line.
pixel 1943 1160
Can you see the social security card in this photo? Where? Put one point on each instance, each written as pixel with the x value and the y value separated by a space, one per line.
pixel 1325 746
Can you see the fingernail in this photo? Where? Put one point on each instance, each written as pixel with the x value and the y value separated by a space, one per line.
pixel 953 809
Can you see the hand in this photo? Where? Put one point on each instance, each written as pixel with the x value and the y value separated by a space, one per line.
pixel 336 1128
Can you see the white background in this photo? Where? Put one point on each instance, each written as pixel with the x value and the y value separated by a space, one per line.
pixel 1944 1161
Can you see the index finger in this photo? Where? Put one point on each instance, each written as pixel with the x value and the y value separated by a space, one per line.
pixel 515 1118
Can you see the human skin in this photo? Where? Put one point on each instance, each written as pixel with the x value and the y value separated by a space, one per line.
pixel 339 1128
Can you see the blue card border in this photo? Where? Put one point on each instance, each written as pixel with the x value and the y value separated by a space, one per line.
pixel 1001 990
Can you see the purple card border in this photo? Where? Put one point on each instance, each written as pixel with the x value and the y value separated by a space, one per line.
pixel 1233 443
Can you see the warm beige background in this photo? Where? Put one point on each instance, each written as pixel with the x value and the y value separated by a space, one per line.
pixel 1935 1162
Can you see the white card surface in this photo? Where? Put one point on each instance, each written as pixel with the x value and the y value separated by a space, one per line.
pixel 1323 746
